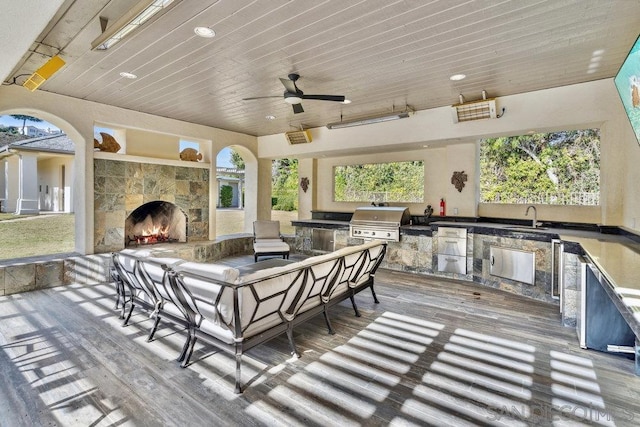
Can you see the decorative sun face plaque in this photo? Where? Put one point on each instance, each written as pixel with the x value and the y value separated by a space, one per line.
pixel 458 179
pixel 304 184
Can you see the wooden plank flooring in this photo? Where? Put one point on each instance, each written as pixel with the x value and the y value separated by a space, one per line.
pixel 433 352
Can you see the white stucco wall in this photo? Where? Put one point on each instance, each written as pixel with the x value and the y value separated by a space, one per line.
pixel 593 104
pixel 77 118
pixel 50 175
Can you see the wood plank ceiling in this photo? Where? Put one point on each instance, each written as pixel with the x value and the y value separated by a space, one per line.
pixel 380 54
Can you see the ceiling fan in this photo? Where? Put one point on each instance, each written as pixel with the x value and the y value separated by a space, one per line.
pixel 293 95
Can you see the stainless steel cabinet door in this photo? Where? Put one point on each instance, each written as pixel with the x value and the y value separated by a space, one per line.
pixel 512 264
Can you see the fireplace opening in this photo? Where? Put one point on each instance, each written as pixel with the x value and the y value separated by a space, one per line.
pixel 155 222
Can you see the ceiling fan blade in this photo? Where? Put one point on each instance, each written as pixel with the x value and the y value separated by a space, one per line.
pixel 297 108
pixel 289 85
pixel 337 98
pixel 261 97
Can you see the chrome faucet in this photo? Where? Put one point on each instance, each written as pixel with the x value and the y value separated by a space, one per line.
pixel 534 224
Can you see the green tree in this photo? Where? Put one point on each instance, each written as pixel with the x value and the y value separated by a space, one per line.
pixel 236 160
pixel 284 185
pixel 380 182
pixel 540 168
pixel 226 196
pixel 25 119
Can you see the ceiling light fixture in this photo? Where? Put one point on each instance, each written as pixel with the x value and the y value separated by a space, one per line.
pixel 128 75
pixel 205 32
pixel 270 117
pixel 131 20
pixel 346 101
pixel 457 77
pixel 371 120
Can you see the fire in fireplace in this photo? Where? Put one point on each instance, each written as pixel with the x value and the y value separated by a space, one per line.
pixel 155 222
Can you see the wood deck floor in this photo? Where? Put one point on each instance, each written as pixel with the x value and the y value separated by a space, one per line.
pixel 433 352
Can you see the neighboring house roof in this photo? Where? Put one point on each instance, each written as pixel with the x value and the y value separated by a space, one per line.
pixel 223 171
pixel 228 178
pixel 7 137
pixel 59 143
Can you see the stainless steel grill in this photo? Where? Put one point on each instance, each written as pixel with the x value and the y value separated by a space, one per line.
pixel 383 223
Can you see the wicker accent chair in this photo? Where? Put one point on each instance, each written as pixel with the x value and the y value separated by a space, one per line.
pixel 267 240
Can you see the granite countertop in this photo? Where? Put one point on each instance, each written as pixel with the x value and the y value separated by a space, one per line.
pixel 618 259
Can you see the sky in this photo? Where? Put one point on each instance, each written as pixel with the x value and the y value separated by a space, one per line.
pixel 10 121
pixel 223 159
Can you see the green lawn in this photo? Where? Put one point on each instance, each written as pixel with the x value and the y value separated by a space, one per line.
pixel 36 235
pixel 24 236
pixel 230 221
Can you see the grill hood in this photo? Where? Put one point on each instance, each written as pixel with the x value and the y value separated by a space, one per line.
pixel 378 222
pixel 381 216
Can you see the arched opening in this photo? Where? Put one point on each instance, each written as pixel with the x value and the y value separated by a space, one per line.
pixel 231 191
pixel 37 175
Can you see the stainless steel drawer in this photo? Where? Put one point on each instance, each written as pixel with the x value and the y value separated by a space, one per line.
pixel 452 264
pixel 452 246
pixel 460 233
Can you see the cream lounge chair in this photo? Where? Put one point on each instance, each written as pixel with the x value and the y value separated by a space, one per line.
pixel 267 240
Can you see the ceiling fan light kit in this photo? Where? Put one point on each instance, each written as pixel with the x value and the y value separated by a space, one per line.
pixel 370 120
pixel 294 96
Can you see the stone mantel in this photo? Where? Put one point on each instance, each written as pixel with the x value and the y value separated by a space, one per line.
pixel 150 160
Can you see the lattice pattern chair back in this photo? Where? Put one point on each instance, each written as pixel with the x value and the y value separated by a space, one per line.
pixel 320 278
pixel 153 272
pixel 355 268
pixel 266 297
pixel 126 267
pixel 208 291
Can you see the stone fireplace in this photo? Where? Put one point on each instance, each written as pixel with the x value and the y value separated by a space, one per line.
pixel 121 187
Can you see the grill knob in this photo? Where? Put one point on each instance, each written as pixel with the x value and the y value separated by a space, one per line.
pixel 373 233
pixel 388 234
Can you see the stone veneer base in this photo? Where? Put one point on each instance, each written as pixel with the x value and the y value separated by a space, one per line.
pixel 23 276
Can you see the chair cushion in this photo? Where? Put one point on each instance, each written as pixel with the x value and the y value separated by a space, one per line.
pixel 278 247
pixel 266 229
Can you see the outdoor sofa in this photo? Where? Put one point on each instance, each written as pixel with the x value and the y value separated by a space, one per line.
pixel 235 309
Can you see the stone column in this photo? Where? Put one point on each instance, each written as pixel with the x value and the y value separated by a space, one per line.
pixel 28 184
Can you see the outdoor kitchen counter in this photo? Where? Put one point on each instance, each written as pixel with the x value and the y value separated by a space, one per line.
pixel 320 223
pixel 618 259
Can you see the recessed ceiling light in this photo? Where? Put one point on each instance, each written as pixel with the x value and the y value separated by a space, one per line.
pixel 425 146
pixel 346 101
pixel 457 77
pixel 270 117
pixel 128 75
pixel 204 32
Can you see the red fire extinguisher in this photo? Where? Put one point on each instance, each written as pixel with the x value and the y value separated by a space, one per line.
pixel 442 207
